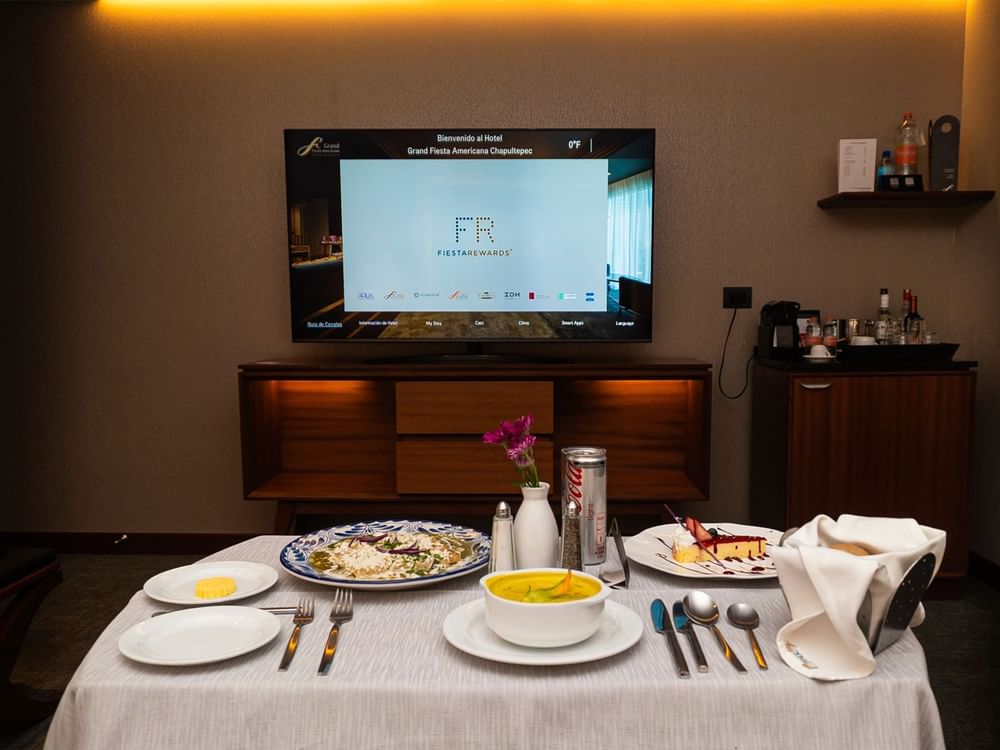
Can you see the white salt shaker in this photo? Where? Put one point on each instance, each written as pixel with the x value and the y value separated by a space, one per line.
pixel 502 547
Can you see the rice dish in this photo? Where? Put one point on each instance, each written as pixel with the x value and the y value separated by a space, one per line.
pixel 391 556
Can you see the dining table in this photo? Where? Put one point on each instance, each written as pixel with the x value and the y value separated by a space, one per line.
pixel 397 682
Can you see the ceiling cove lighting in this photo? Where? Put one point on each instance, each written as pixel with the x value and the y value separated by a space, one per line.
pixel 527 8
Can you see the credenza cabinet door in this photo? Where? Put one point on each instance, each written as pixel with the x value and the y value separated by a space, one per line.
pixel 879 444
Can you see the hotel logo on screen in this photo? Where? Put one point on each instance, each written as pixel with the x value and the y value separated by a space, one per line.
pixel 318 147
pixel 478 230
pixel 483 227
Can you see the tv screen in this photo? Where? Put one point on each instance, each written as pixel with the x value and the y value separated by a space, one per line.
pixel 470 235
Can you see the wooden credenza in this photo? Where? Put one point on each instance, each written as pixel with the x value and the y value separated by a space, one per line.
pixel 872 440
pixel 394 440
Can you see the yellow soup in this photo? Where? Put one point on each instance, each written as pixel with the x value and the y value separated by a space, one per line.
pixel 543 588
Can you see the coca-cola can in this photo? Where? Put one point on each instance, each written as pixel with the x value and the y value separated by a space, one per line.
pixel 585 482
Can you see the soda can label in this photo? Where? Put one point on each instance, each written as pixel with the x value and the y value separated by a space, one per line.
pixel 584 482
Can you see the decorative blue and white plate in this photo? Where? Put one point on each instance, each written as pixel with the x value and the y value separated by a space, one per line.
pixel 295 557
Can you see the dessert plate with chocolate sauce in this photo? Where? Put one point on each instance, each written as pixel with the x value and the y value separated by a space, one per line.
pixel 653 548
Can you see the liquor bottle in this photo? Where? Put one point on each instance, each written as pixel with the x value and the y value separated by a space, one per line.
pixel 904 308
pixel 914 323
pixel 830 331
pixel 884 316
pixel 907 140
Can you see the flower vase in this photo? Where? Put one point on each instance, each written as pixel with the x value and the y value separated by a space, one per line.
pixel 536 534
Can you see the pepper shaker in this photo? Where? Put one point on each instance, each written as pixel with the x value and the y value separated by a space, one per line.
pixel 502 547
pixel 571 553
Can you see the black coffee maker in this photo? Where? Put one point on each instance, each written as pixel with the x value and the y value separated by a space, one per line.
pixel 778 333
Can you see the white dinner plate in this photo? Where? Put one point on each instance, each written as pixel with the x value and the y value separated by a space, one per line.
pixel 653 548
pixel 465 628
pixel 811 358
pixel 176 586
pixel 198 636
pixel 294 557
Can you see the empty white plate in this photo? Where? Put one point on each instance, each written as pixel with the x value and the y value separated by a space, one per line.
pixel 465 628
pixel 198 636
pixel 176 586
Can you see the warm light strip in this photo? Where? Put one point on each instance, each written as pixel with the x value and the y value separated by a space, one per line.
pixel 505 10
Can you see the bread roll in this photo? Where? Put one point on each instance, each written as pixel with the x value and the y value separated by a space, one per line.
pixel 854 549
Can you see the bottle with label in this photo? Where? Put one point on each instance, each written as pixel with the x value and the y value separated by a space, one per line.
pixel 886 168
pixel 904 308
pixel 814 332
pixel 907 140
pixel 830 333
pixel 914 324
pixel 884 316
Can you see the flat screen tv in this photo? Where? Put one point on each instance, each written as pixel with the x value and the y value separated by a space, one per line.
pixel 470 235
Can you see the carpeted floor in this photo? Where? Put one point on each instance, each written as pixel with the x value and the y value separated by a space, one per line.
pixel 959 638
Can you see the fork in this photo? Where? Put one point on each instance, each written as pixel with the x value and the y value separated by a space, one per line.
pixel 303 616
pixel 341 612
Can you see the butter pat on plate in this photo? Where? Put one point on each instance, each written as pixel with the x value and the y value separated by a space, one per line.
pixel 214 588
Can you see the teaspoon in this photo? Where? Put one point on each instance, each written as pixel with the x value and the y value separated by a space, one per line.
pixel 744 616
pixel 701 608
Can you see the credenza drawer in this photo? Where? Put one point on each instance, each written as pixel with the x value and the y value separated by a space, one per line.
pixel 451 407
pixel 461 467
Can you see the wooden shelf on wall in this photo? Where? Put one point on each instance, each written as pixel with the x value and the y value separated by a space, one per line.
pixel 924 199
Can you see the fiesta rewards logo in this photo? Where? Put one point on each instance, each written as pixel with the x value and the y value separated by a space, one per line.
pixel 477 231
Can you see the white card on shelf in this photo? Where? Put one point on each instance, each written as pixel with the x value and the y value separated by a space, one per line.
pixel 856 165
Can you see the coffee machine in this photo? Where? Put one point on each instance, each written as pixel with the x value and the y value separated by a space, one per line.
pixel 778 333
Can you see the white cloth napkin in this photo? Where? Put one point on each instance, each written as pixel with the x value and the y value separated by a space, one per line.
pixel 825 588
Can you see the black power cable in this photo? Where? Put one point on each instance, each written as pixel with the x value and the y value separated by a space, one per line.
pixel 722 364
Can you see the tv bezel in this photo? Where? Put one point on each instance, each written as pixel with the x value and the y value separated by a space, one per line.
pixel 474 343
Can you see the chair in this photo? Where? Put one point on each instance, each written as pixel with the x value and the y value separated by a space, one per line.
pixel 27 575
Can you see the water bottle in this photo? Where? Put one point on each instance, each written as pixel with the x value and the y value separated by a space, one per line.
pixel 907 140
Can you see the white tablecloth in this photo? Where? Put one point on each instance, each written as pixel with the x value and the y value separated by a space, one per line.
pixel 397 683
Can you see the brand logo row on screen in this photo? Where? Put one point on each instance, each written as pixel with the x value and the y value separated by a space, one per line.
pixel 458 294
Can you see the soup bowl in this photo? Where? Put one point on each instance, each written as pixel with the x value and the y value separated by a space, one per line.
pixel 541 608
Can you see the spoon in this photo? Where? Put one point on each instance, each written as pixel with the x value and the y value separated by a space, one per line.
pixel 744 616
pixel 701 608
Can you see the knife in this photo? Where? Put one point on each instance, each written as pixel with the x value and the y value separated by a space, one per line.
pixel 683 625
pixel 659 612
pixel 620 548
pixel 275 610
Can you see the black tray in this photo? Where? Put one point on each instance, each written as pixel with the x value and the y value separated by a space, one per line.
pixel 898 353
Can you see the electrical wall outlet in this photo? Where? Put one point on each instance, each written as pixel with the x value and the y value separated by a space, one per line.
pixel 737 296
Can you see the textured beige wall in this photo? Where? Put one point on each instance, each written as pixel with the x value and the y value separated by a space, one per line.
pixel 978 250
pixel 144 230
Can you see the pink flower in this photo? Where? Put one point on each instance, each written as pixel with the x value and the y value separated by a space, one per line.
pixel 494 437
pixel 523 425
pixel 520 444
pixel 517 440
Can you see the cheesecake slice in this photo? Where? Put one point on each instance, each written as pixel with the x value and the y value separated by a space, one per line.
pixel 722 546
pixel 686 547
